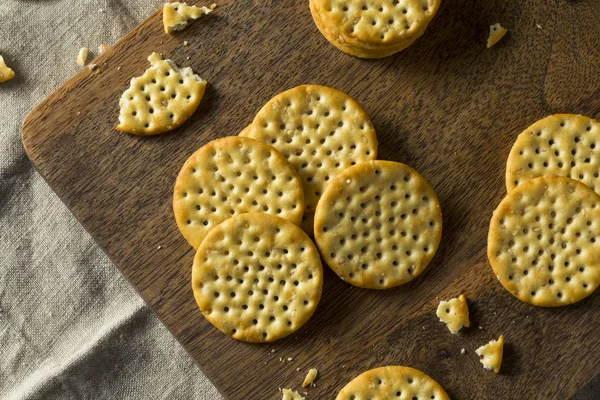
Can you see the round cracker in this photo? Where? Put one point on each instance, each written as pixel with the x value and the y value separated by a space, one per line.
pixel 231 176
pixel 378 224
pixel 393 382
pixel 562 145
pixel 544 241
pixel 376 26
pixel 257 277
pixel 321 131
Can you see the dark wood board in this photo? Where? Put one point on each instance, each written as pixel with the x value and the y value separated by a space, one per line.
pixel 446 106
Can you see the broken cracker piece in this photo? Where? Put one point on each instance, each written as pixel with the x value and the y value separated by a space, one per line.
pixel 176 16
pixel 454 313
pixel 160 100
pixel 491 354
pixel 497 32
pixel 102 48
pixel 289 394
pixel 82 56
pixel 5 72
pixel 310 377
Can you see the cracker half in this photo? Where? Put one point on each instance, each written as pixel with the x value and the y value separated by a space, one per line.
pixel 378 224
pixel 392 382
pixel 176 16
pixel 563 145
pixel 454 313
pixel 257 277
pixel 5 72
pixel 491 354
pixel 160 100
pixel 497 32
pixel 544 241
pixel 231 176
pixel 321 131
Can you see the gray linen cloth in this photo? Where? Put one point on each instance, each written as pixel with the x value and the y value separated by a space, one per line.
pixel 70 326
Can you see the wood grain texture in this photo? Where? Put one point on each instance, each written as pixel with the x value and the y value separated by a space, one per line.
pixel 446 106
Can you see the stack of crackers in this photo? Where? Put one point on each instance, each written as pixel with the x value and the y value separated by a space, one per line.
pixel 544 237
pixel 373 29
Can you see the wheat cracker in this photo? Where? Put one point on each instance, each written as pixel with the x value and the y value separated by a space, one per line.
pixel 230 176
pixel 392 382
pixel 257 277
pixel 160 100
pixel 561 144
pixel 544 241
pixel 321 131
pixel 378 224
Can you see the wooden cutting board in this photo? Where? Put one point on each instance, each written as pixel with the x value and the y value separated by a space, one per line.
pixel 446 106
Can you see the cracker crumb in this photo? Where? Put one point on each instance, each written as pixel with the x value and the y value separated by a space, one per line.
pixel 118 68
pixel 497 32
pixel 290 359
pixel 185 42
pixel 454 313
pixel 538 26
pixel 423 328
pixel 310 378
pixel 298 369
pixel 480 327
pixel 82 56
pixel 102 49
pixel 491 354
pixel 462 351
pixel 289 394
pixel 159 247
pixel 5 72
